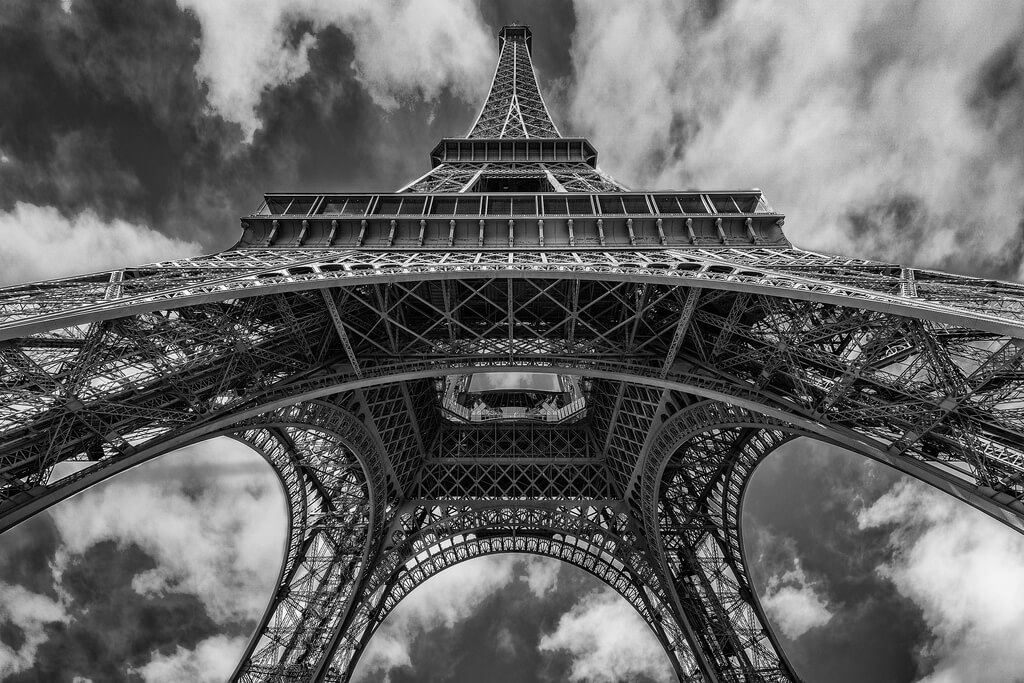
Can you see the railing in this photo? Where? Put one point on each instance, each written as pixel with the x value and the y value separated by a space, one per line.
pixel 570 410
pixel 550 220
pixel 555 204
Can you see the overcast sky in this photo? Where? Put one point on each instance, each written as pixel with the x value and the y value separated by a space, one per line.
pixel 133 132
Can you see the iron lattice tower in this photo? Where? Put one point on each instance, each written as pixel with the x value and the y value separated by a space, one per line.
pixel 676 338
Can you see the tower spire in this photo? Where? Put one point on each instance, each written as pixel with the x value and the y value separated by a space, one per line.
pixel 514 107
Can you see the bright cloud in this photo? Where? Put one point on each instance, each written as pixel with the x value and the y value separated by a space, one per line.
pixel 541 574
pixel 29 613
pixel 872 124
pixel 794 603
pixel 39 242
pixel 402 49
pixel 443 600
pixel 966 573
pixel 608 641
pixel 212 516
pixel 213 660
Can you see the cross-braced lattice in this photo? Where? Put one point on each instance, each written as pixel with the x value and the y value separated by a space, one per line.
pixel 694 337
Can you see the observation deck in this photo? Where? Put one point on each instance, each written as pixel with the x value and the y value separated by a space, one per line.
pixel 514 221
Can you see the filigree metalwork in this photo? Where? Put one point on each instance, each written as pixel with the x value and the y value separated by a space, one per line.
pixel 701 340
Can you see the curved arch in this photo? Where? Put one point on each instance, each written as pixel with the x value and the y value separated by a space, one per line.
pixel 694 381
pixel 337 495
pixel 715 448
pixel 733 270
pixel 820 381
pixel 332 474
pixel 425 541
pixel 773 352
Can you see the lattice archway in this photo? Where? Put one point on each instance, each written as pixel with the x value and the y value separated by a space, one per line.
pixel 599 540
pixel 700 465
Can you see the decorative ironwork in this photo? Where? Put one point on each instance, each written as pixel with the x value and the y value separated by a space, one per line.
pixel 697 340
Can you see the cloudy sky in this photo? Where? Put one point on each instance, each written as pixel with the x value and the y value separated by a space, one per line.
pixel 132 132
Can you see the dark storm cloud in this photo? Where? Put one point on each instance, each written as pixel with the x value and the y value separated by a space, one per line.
pixel 163 569
pixel 874 126
pixel 98 105
pixel 511 632
pixel 873 631
pixel 28 550
pixel 112 628
pixel 103 110
pixel 846 118
pixel 553 25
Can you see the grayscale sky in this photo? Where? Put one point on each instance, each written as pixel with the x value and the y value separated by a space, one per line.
pixel 137 131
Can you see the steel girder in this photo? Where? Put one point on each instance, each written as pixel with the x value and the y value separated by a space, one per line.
pixel 931 389
pixel 514 107
pixel 975 302
pixel 600 539
pixel 697 361
pixel 460 177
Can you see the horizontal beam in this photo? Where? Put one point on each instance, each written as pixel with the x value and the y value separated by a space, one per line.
pixel 534 231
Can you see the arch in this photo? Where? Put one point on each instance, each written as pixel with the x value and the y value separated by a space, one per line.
pixel 716 448
pixel 926 411
pixel 739 270
pixel 770 352
pixel 693 382
pixel 333 478
pixel 599 540
pixel 338 500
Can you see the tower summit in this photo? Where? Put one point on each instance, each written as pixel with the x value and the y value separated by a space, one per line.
pixel 514 107
pixel 514 353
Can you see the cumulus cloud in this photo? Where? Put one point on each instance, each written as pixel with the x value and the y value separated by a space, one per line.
pixel 874 126
pixel 402 49
pixel 541 574
pixel 442 601
pixel 966 573
pixel 39 242
pixel 608 641
pixel 794 603
pixel 211 516
pixel 211 661
pixel 28 613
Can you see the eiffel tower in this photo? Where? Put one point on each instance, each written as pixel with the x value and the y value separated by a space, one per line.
pixel 514 354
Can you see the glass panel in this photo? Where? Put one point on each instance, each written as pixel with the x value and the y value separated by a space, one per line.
pixel 469 206
pixel 509 183
pixel 691 203
pixel 579 205
pixel 499 206
pixel 524 206
pixel 635 204
pixel 356 206
pixel 527 381
pixel 747 203
pixel 444 206
pixel 301 205
pixel 666 203
pixel 611 204
pixel 723 204
pixel 555 206
pixel 333 204
pixel 412 205
pixel 277 205
pixel 388 206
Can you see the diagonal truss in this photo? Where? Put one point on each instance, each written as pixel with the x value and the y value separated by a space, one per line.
pixel 514 107
pixel 700 339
